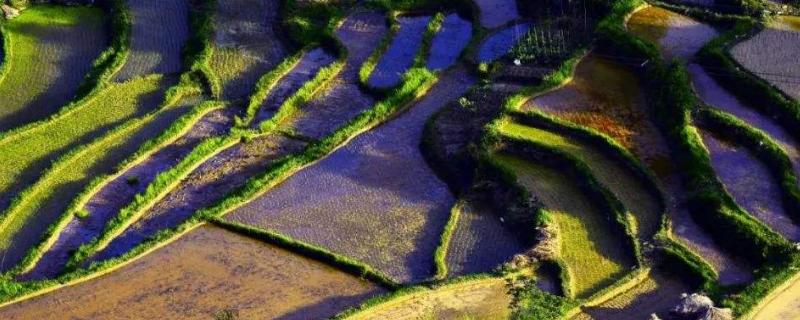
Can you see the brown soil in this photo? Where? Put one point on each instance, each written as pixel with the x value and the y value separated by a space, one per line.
pixel 205 273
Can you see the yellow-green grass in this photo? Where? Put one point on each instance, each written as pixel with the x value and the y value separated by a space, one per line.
pixel 51 48
pixel 27 153
pixel 482 298
pixel 644 208
pixel 592 252
pixel 657 293
pixel 230 63
pixel 44 201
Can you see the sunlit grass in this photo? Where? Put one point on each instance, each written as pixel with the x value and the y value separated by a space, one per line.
pixel 623 183
pixel 48 45
pixel 593 253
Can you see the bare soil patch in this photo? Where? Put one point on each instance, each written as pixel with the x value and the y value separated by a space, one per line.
pixel 204 273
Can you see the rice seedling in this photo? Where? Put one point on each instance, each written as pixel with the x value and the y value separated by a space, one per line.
pixel 207 271
pixel 50 51
pixel 593 254
pixel 644 206
pixel 159 31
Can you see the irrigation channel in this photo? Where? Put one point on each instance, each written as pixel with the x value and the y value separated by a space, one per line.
pixel 50 58
pixel 207 272
pixel 231 167
pixel 381 172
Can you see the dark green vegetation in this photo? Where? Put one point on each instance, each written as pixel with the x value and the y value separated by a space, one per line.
pixel 576 172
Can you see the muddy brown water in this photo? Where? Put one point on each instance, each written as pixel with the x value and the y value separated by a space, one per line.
pixel 399 56
pixel 750 183
pixel 481 241
pixel 374 199
pixel 158 33
pixel 203 187
pixel 449 42
pixel 205 273
pixel 607 96
pixel 244 30
pixel 501 42
pixel 772 54
pixel 496 13
pixel 63 56
pixel 119 192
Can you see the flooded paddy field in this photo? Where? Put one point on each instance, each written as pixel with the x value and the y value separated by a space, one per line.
pixel 772 54
pixel 496 13
pixel 246 44
pixel 449 42
pixel 657 294
pixel 399 56
pixel 750 183
pixel 305 70
pixel 204 186
pixel 473 299
pixel 500 43
pixel 678 36
pixel 106 203
pixel 158 33
pixel 203 274
pixel 594 254
pixel 52 49
pixel 377 190
pixel 481 242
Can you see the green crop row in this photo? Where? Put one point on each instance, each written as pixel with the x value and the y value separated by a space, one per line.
pixel 103 68
pixel 440 255
pixel 265 85
pixel 745 85
pixel 763 147
pixel 598 193
pixel 176 130
pixel 346 264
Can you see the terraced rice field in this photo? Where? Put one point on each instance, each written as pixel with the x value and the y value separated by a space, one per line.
pixel 207 184
pixel 246 45
pixel 379 174
pixel 677 36
pixel 658 293
pixel 206 273
pixel 782 305
pixel 52 49
pixel 495 13
pixel 593 253
pixel 449 42
pixel 643 205
pixel 771 53
pixel 472 299
pixel 117 193
pixel 750 183
pixel 500 43
pixel 159 31
pixel 399 57
pixel 481 242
